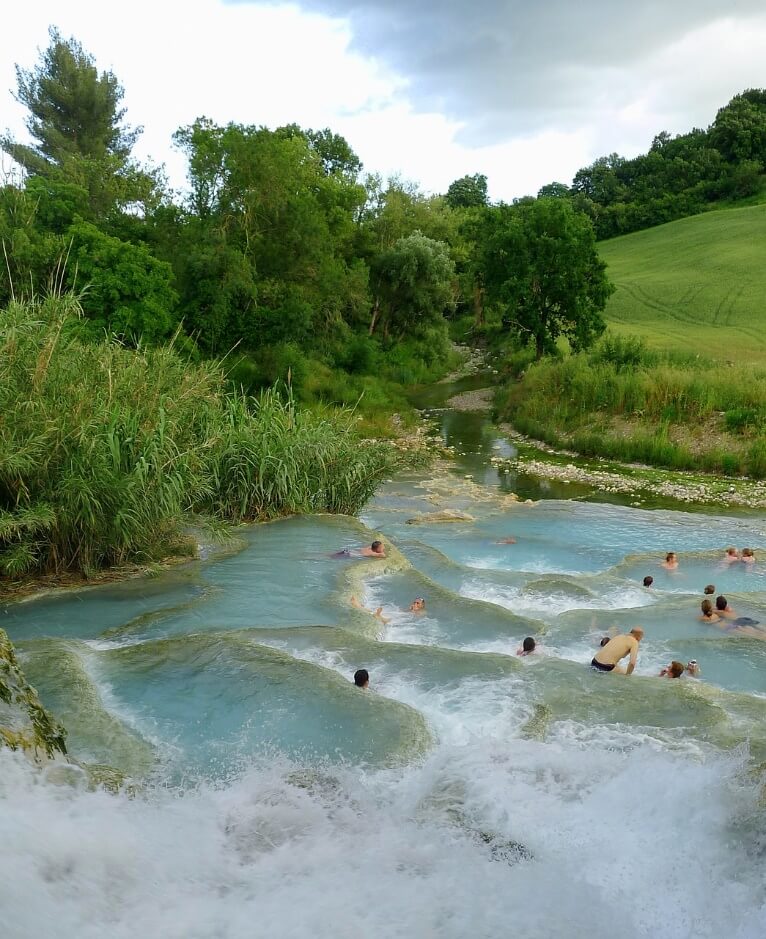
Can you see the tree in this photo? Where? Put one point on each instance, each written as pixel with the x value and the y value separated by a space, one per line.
pixel 75 119
pixel 414 286
pixel 541 264
pixel 554 191
pixel 739 129
pixel 467 191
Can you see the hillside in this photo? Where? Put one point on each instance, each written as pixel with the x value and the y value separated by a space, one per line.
pixel 698 284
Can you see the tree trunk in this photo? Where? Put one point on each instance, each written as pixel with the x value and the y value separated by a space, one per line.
pixel 478 303
pixel 375 314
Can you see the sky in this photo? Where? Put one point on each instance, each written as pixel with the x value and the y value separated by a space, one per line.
pixel 524 91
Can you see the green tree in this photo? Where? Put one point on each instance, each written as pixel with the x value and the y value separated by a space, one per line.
pixel 541 265
pixel 414 286
pixel 467 191
pixel 739 129
pixel 75 119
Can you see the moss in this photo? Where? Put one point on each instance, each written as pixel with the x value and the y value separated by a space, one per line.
pixel 30 727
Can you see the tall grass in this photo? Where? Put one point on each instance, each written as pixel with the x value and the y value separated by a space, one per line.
pixel 576 401
pixel 104 451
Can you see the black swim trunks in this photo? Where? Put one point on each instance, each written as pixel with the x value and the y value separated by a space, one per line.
pixel 600 666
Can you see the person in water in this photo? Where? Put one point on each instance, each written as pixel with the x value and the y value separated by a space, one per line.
pixel 648 580
pixel 710 589
pixel 722 607
pixel 527 647
pixel 671 561
pixel 747 556
pixel 376 550
pixel 693 669
pixel 378 613
pixel 708 613
pixel 362 678
pixel 731 556
pixel 418 605
pixel 607 658
pixel 506 541
pixel 674 670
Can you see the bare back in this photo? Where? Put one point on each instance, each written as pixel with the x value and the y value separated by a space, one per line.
pixel 616 649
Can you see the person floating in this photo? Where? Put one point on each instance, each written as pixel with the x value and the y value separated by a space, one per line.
pixel 376 550
pixel 693 669
pixel 506 541
pixel 710 590
pixel 362 678
pixel 671 561
pixel 648 580
pixel 607 659
pixel 378 613
pixel 674 670
pixel 418 605
pixel 527 647
pixel 722 607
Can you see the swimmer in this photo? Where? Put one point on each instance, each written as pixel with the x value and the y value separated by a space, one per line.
pixel 376 550
pixel 708 614
pixel 731 556
pixel 710 589
pixel 378 614
pixel 693 669
pixel 418 605
pixel 362 678
pixel 674 670
pixel 506 541
pixel 747 556
pixel 648 580
pixel 671 561
pixel 722 607
pixel 527 647
pixel 616 649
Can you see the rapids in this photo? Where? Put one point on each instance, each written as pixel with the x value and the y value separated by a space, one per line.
pixel 468 793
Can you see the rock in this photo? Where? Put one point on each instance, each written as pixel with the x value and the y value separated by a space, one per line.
pixel 444 515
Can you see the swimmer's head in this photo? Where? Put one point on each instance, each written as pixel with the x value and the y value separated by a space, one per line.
pixel 637 633
pixel 648 580
pixel 377 547
pixel 417 605
pixel 721 602
pixel 529 644
pixel 361 678
pixel 710 589
pixel 732 552
pixel 670 556
pixel 676 669
pixel 707 607
pixel 747 553
pixel 604 641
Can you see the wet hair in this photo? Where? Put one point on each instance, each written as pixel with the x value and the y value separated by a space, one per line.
pixel 731 550
pixel 710 588
pixel 529 644
pixel 670 555
pixel 376 545
pixel 676 669
pixel 721 603
pixel 707 607
pixel 361 677
pixel 648 580
pixel 604 641
pixel 747 552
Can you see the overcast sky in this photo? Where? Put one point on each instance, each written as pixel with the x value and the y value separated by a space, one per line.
pixel 525 92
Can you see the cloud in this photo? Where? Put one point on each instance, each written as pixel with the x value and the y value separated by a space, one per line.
pixel 503 67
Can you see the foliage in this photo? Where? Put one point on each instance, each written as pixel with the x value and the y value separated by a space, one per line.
pixel 467 192
pixel 104 451
pixel 540 263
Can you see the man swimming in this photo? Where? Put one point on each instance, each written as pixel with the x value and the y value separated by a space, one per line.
pixel 648 580
pixel 362 678
pixel 376 550
pixel 418 605
pixel 671 561
pixel 607 658
pixel 527 647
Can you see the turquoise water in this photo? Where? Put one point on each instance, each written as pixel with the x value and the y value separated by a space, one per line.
pixel 466 789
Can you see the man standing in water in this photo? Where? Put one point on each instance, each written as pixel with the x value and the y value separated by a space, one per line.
pixel 606 659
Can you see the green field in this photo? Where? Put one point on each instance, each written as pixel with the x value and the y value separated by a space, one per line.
pixel 698 284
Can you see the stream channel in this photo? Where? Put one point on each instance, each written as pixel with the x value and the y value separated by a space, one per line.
pixel 469 792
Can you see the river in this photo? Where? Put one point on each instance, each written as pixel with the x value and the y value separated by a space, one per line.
pixel 469 792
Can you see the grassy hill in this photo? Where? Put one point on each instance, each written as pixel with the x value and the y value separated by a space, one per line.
pixel 698 284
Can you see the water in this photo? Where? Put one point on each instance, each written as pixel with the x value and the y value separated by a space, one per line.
pixel 469 792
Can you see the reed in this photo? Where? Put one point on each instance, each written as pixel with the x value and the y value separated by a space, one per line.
pixel 105 451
